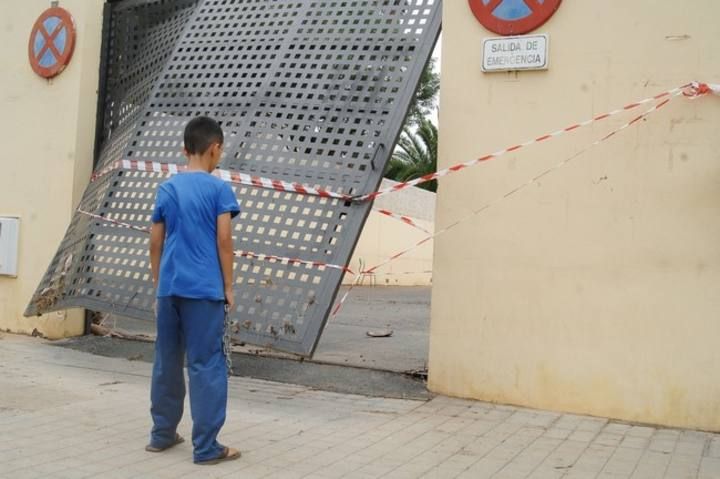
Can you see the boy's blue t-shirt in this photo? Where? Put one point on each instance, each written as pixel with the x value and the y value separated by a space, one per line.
pixel 189 204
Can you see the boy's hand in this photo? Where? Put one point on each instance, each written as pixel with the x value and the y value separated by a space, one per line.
pixel 230 298
pixel 225 253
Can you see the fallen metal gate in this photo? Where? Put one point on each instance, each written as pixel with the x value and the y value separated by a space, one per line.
pixel 311 92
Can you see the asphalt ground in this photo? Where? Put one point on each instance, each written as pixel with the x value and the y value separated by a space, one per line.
pixel 347 360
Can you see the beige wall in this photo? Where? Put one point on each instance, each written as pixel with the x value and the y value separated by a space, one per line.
pixel 48 133
pixel 383 236
pixel 597 290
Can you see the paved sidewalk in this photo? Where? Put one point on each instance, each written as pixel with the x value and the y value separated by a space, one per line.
pixel 66 414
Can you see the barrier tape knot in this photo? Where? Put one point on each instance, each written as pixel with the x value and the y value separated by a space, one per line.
pixel 698 89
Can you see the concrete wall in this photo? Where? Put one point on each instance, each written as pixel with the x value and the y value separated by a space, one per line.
pixel 48 133
pixel 384 236
pixel 596 290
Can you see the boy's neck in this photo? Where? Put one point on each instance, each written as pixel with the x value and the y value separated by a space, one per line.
pixel 200 163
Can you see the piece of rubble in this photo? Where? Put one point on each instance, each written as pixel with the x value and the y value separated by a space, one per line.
pixel 381 333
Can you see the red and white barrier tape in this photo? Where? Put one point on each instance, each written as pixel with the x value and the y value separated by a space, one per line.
pixel 401 273
pixel 405 219
pixel 114 222
pixel 225 175
pixel 135 165
pixel 341 303
pixel 281 259
pixel 691 90
pixel 238 253
pixel 525 185
pixel 277 185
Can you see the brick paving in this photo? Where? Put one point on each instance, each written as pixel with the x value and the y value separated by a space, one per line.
pixel 66 414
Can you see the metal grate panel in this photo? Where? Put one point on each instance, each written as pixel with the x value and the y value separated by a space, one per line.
pixel 141 37
pixel 313 92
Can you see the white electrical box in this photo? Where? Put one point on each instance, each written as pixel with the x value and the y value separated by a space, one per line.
pixel 9 235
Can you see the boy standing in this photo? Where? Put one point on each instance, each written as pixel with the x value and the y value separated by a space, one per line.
pixel 191 255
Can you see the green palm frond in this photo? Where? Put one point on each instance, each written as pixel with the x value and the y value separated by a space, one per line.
pixel 415 155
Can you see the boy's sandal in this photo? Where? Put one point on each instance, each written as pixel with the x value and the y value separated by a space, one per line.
pixel 228 454
pixel 178 440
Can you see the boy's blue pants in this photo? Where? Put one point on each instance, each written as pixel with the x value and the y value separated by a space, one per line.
pixel 196 327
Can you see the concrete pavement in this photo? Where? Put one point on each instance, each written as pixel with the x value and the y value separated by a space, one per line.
pixel 405 310
pixel 326 377
pixel 69 414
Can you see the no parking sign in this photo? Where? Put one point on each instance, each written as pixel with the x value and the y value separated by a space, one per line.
pixel 52 41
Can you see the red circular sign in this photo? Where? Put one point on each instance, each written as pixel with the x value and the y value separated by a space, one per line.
pixel 52 41
pixel 513 17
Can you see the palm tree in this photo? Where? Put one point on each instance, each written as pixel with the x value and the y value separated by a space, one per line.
pixel 425 98
pixel 415 155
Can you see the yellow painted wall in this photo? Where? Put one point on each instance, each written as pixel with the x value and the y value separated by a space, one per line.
pixel 596 290
pixel 383 237
pixel 48 130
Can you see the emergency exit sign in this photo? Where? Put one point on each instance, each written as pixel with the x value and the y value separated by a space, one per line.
pixel 506 54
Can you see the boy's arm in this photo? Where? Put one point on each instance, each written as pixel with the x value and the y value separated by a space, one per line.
pixel 225 251
pixel 157 240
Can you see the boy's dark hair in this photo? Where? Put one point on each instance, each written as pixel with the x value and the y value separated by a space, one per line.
pixel 200 133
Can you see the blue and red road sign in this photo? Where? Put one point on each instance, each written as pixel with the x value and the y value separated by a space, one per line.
pixel 513 17
pixel 52 42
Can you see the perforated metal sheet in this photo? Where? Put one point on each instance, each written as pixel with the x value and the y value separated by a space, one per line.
pixel 313 92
